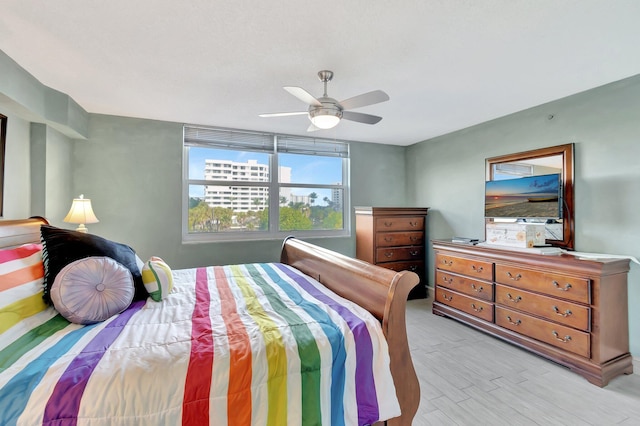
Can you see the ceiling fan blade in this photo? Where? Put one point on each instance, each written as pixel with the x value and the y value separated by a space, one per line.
pixel 282 114
pixel 365 99
pixel 303 95
pixel 360 117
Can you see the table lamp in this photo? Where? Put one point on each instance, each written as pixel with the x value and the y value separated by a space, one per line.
pixel 81 213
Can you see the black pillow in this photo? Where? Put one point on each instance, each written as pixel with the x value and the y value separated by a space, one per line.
pixel 61 247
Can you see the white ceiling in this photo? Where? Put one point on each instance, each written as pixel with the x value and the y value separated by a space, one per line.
pixel 446 64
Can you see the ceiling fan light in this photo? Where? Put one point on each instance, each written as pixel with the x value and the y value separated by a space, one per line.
pixel 325 121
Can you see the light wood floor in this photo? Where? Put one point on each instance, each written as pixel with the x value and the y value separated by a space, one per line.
pixel 470 378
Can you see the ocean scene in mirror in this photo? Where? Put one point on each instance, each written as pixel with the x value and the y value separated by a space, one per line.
pixel 525 197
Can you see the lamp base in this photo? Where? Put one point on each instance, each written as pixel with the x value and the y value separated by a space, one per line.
pixel 82 228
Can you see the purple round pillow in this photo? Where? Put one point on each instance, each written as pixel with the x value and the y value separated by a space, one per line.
pixel 92 289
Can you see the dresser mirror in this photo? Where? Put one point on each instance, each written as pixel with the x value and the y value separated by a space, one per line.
pixel 543 161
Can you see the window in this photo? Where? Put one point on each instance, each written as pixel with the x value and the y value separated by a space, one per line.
pixel 247 185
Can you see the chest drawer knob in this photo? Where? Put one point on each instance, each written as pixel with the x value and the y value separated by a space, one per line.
pixel 562 314
pixel 478 269
pixel 447 262
pixel 511 321
pixel 480 309
pixel 414 252
pixel 514 299
pixel 514 277
pixel 565 339
pixel 477 289
pixel 447 298
pixel 447 280
pixel 388 239
pixel 566 287
pixel 388 254
pixel 413 238
pixel 388 224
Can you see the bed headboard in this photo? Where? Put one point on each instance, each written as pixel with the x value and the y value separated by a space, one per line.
pixel 16 232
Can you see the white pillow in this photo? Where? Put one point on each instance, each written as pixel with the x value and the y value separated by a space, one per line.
pixel 92 289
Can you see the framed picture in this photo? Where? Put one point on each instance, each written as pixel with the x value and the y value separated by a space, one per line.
pixel 3 141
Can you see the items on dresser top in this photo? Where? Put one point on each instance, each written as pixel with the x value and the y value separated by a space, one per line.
pixel 394 238
pixel 570 310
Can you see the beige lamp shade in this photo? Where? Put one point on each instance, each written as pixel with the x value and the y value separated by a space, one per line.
pixel 81 213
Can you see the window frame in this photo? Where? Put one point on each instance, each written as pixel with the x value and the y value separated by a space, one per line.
pixel 273 186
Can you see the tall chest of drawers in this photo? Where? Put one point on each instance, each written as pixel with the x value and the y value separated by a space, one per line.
pixel 570 310
pixel 394 238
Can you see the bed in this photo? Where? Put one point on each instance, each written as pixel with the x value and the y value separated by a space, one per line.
pixel 317 338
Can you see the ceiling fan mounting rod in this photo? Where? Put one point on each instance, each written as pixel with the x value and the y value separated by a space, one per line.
pixel 325 76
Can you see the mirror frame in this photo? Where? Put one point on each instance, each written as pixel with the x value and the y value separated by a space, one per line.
pixel 566 151
pixel 3 143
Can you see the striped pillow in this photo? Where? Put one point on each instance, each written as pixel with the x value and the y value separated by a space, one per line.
pixel 157 278
pixel 21 278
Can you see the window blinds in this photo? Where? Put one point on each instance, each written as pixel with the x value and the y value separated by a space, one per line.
pixel 313 146
pixel 210 137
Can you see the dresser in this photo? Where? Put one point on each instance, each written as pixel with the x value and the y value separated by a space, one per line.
pixel 394 238
pixel 570 310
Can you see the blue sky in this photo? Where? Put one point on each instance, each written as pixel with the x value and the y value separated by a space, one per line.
pixel 526 185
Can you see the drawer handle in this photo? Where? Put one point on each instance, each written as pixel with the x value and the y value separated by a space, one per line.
pixel 388 254
pixel 516 300
pixel 414 252
pixel 565 339
pixel 413 224
pixel 565 314
pixel 514 277
pixel 448 299
pixel 477 289
pixel 478 269
pixel 447 262
pixel 566 287
pixel 387 224
pixel 510 321
pixel 388 239
pixel 413 268
pixel 473 306
pixel 414 238
pixel 447 280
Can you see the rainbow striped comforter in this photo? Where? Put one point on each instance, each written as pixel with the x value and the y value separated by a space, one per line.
pixel 255 344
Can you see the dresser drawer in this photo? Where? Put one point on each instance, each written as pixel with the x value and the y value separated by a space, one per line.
pixel 391 239
pixel 557 285
pixel 410 223
pixel 416 266
pixel 480 289
pixel 470 305
pixel 566 338
pixel 392 254
pixel 471 267
pixel 561 311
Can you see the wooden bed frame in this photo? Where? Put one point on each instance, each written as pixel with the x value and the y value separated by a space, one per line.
pixel 380 291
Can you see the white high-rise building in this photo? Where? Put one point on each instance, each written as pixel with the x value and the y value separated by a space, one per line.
pixel 239 198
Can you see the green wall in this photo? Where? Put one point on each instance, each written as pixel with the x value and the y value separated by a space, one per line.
pixel 448 173
pixel 132 170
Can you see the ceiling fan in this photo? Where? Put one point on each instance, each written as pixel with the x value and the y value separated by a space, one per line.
pixel 326 112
